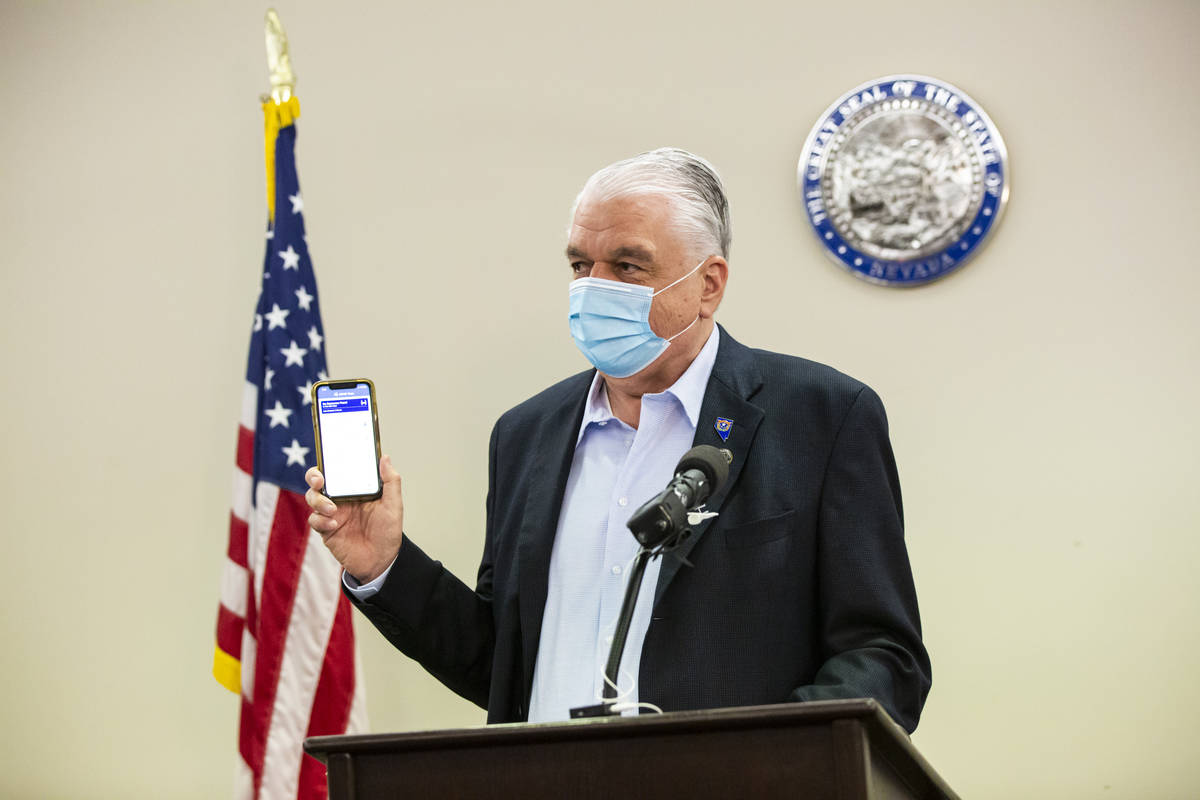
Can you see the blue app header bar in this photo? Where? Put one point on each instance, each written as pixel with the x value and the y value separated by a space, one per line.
pixel 349 404
pixel 335 401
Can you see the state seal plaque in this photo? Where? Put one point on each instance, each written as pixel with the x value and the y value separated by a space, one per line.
pixel 903 179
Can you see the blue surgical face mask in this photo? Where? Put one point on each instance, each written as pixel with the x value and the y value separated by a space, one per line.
pixel 610 323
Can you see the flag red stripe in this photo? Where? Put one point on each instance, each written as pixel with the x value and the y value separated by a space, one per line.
pixel 331 703
pixel 229 631
pixel 335 690
pixel 250 746
pixel 281 576
pixel 239 536
pixel 245 450
pixel 251 608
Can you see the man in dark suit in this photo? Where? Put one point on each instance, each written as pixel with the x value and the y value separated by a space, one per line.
pixel 799 588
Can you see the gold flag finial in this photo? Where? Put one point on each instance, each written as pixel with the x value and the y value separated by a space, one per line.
pixel 283 80
pixel 280 107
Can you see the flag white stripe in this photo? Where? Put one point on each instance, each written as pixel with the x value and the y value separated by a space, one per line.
pixel 357 722
pixel 266 497
pixel 256 556
pixel 243 779
pixel 249 405
pixel 243 489
pixel 308 630
pixel 249 651
pixel 234 581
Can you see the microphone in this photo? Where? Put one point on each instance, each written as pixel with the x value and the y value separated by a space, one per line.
pixel 698 476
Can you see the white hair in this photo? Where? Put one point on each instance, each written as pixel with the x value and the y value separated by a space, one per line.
pixel 689 183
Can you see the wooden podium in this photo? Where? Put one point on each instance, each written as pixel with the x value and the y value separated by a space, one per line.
pixel 836 749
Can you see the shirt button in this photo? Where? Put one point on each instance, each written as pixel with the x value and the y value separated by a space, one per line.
pixel 616 570
pixel 624 501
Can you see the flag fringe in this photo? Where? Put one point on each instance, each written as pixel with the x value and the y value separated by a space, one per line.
pixel 227 670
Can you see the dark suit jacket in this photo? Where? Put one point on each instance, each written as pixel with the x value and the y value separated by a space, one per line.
pixel 800 590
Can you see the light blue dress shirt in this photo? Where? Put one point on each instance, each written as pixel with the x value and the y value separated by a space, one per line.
pixel 615 469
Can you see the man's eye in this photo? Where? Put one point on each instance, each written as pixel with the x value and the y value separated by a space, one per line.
pixel 628 268
pixel 579 266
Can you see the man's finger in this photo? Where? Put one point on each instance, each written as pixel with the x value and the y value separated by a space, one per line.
pixel 322 524
pixel 314 478
pixel 319 502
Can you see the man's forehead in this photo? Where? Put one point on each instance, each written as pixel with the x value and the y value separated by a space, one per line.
pixel 626 226
pixel 632 203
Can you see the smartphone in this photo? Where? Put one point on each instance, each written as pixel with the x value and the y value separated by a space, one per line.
pixel 346 424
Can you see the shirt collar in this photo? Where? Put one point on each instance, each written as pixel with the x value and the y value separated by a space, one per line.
pixel 688 390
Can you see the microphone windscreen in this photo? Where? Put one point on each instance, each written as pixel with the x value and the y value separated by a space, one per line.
pixel 710 461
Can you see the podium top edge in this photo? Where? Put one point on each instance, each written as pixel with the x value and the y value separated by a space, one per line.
pixel 815 712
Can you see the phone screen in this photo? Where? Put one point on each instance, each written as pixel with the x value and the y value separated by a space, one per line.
pixel 347 434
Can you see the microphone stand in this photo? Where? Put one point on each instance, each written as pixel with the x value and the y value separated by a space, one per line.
pixel 660 525
pixel 609 695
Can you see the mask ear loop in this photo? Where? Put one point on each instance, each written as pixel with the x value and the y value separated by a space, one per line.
pixel 660 291
pixel 685 330
pixel 685 277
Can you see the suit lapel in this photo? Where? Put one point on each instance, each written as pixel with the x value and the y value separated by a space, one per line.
pixel 550 456
pixel 734 379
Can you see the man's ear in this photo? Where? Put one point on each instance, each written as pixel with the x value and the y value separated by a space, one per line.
pixel 716 274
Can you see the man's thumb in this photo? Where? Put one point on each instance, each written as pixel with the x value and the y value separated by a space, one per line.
pixel 390 478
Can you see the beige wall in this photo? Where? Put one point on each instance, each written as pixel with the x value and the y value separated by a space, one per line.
pixel 1043 400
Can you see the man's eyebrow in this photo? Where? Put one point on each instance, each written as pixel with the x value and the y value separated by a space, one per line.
pixel 633 252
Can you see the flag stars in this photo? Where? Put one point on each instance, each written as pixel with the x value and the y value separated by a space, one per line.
pixel 305 393
pixel 279 415
pixel 315 338
pixel 304 298
pixel 291 259
pixel 257 323
pixel 294 354
pixel 270 373
pixel 322 375
pixel 295 454
pixel 297 202
pixel 277 317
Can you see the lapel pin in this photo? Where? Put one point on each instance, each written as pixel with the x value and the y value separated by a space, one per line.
pixel 724 426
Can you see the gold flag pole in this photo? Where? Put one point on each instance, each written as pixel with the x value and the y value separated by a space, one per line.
pixel 280 107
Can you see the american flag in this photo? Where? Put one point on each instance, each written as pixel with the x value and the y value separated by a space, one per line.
pixel 284 635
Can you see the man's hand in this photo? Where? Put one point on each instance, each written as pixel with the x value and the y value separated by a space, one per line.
pixel 363 536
